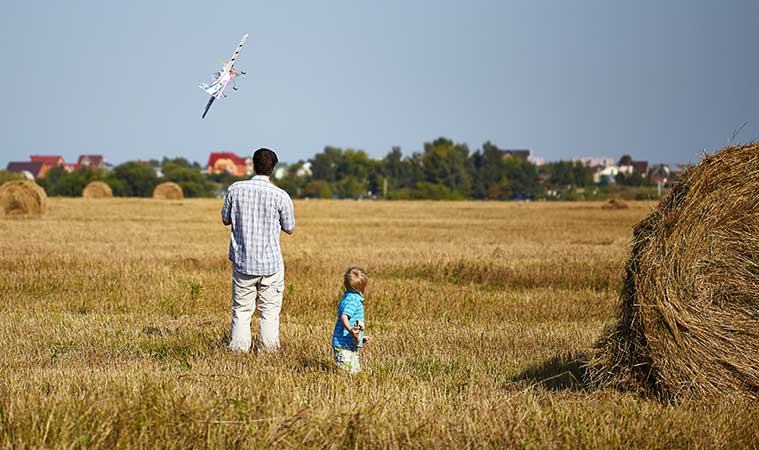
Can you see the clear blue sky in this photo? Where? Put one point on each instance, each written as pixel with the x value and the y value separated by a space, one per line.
pixel 661 80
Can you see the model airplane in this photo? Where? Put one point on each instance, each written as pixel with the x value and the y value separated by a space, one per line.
pixel 223 78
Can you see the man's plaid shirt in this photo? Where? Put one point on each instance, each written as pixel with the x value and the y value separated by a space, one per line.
pixel 257 210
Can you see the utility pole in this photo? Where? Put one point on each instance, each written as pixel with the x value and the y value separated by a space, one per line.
pixel 384 189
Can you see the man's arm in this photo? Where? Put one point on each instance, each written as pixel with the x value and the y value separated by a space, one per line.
pixel 226 210
pixel 287 216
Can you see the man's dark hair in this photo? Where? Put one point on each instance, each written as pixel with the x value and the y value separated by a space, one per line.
pixel 264 161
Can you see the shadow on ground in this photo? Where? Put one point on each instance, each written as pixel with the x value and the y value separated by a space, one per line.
pixel 313 364
pixel 562 372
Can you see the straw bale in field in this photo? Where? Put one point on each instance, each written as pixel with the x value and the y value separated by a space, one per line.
pixel 615 203
pixel 168 191
pixel 688 323
pixel 22 197
pixel 97 189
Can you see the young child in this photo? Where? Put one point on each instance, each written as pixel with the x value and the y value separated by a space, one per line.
pixel 348 336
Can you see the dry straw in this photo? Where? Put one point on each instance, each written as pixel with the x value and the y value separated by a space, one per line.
pixel 22 198
pixel 615 203
pixel 97 189
pixel 688 323
pixel 168 191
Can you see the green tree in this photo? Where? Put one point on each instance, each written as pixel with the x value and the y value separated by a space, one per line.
pixel 434 191
pixel 567 173
pixel 500 190
pixel 324 165
pixel 523 177
pixel 489 169
pixel 59 182
pixel 10 176
pixel 318 189
pixel 445 163
pixel 138 178
pixel 192 181
pixel 351 187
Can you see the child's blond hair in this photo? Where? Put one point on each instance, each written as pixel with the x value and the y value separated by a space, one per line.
pixel 355 279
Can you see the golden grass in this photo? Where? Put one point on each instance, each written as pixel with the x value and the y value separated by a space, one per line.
pixel 114 315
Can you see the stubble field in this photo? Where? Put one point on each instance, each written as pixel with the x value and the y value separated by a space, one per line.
pixel 114 316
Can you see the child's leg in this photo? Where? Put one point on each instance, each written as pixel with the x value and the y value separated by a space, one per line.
pixel 347 360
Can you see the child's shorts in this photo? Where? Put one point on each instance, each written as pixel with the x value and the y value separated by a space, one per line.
pixel 347 359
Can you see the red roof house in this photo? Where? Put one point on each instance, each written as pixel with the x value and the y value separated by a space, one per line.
pixel 91 161
pixel 48 162
pixel 220 162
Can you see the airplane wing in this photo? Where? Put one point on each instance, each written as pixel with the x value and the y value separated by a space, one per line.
pixel 214 88
pixel 231 62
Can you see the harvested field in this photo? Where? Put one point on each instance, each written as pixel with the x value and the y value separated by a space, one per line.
pixel 168 191
pixel 22 198
pixel 113 332
pixel 97 189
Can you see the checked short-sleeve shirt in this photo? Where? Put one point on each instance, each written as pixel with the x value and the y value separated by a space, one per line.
pixel 257 210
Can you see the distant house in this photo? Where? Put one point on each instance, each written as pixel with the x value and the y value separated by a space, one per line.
pixel 595 161
pixel 639 167
pixel 280 171
pixel 48 162
pixel 38 166
pixel 92 161
pixel 304 170
pixel 30 169
pixel 524 155
pixel 660 174
pixel 221 162
pixel 609 173
pixel 537 160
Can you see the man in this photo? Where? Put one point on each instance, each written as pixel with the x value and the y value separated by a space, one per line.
pixel 257 211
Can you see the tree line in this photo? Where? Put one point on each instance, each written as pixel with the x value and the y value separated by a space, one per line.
pixel 443 170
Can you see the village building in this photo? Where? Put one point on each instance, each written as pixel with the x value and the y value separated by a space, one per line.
pixel 29 169
pixel 608 173
pixel 221 162
pixel 640 167
pixel 595 161
pixel 38 166
pixel 89 161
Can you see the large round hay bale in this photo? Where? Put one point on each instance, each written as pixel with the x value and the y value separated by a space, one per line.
pixel 97 189
pixel 688 323
pixel 22 197
pixel 168 191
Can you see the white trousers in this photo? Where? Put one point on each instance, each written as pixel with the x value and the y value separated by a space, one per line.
pixel 248 293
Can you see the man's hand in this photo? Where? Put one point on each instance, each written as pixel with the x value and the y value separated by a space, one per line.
pixel 290 231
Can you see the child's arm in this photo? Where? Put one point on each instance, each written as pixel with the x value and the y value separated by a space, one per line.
pixel 347 324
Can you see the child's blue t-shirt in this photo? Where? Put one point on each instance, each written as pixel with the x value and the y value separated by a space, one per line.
pixel 352 305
